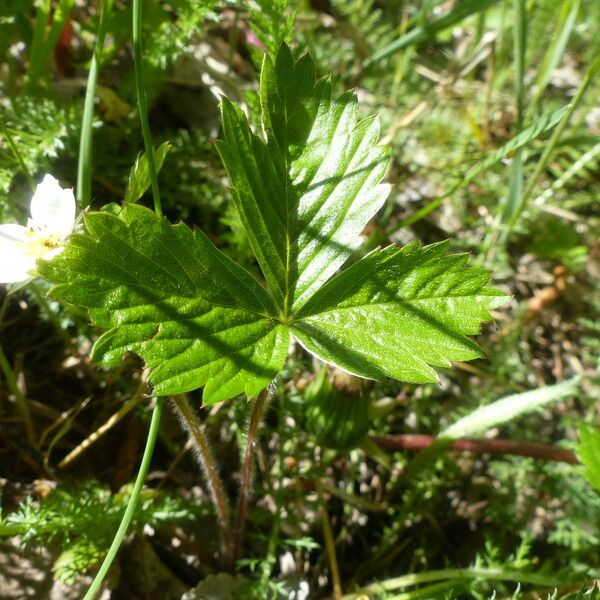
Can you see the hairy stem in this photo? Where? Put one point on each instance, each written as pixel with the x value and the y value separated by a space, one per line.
pixel 495 447
pixel 271 558
pixel 133 500
pixel 240 520
pixel 209 467
pixel 142 101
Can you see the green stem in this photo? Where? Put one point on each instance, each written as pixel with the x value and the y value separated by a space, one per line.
pixel 330 546
pixel 133 501
pixel 20 399
pixel 84 164
pixel 449 574
pixel 142 101
pixel 12 529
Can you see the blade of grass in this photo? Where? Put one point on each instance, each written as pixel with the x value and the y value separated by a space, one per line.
pixel 554 54
pixel 84 165
pixel 592 155
pixel 515 190
pixel 557 133
pixel 43 44
pixel 142 101
pixel 21 401
pixel 434 589
pixel 493 574
pixel 42 15
pixel 515 187
pixel 509 408
pixel 158 408
pixel 542 125
pixel 428 30
pixel 519 46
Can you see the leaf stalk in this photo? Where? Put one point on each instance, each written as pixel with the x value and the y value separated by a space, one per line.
pixel 211 472
pixel 246 480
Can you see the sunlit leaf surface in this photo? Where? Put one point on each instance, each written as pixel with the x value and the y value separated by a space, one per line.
pixel 305 193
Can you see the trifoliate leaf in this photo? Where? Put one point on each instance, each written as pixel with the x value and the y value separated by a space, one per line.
pixel 304 193
pixel 166 293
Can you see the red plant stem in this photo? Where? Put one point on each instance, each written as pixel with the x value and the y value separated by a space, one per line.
pixel 211 472
pixel 494 447
pixel 240 521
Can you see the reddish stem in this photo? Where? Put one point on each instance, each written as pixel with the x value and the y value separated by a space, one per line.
pixel 240 521
pixel 494 447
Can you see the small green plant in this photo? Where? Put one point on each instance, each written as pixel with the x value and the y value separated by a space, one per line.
pixel 304 196
pixel 452 488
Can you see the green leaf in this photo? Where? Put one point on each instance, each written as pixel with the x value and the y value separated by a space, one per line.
pixel 166 293
pixel 509 408
pixel 139 178
pixel 397 311
pixel 304 194
pixel 588 452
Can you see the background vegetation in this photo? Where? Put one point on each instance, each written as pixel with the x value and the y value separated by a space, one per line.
pixel 344 495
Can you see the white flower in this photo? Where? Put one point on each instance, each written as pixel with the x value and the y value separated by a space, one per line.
pixel 52 220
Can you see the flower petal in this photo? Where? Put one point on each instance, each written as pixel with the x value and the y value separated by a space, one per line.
pixel 16 264
pixel 53 208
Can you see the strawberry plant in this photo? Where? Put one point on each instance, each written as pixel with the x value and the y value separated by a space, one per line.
pixel 304 193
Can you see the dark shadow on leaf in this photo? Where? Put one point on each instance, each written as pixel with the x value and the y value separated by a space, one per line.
pixel 339 178
pixel 195 331
pixel 356 360
pixel 303 226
